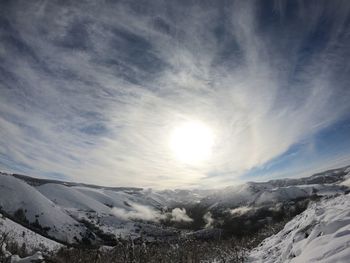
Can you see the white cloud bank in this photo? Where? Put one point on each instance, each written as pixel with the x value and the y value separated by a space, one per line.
pixel 146 213
pixel 179 215
pixel 139 212
pixel 240 210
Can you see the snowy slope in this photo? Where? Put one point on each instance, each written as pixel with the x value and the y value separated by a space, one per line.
pixel 143 204
pixel 22 235
pixel 16 194
pixel 122 198
pixel 320 234
pixel 94 205
pixel 71 199
pixel 118 199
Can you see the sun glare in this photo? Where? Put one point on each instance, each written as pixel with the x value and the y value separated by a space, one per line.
pixel 192 142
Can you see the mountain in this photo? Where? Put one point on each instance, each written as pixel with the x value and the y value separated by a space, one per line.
pixel 75 213
pixel 271 192
pixel 78 213
pixel 29 206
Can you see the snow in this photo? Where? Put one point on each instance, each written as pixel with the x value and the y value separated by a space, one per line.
pixel 262 193
pixel 121 199
pixel 346 182
pixel 320 234
pixel 108 197
pixel 257 194
pixel 37 257
pixel 22 235
pixel 62 206
pixel 16 194
pixel 70 198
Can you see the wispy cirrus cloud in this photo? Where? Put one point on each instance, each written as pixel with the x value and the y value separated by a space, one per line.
pixel 92 89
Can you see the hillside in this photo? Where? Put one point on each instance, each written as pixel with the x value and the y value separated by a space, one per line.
pixel 22 235
pixel 33 209
pixel 320 234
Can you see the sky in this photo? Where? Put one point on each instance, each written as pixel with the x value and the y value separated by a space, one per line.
pixel 92 91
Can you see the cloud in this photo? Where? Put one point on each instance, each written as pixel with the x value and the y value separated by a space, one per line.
pixel 240 210
pixel 208 219
pixel 179 215
pixel 146 213
pixel 92 90
pixel 138 212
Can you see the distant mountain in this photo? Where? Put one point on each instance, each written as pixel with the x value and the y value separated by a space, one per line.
pixel 274 191
pixel 39 181
pixel 327 177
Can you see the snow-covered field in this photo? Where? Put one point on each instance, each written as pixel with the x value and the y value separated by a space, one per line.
pixel 320 234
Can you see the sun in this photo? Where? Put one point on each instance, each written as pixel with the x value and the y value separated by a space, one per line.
pixel 192 142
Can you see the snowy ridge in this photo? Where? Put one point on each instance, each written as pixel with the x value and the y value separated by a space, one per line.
pixel 259 193
pixel 320 234
pixel 255 194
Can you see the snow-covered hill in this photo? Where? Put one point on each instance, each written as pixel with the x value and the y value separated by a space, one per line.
pixel 19 199
pixel 320 234
pixel 73 213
